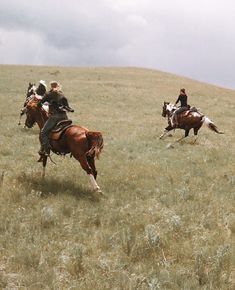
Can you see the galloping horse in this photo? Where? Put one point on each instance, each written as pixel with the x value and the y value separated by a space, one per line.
pixel 187 120
pixel 82 144
pixel 31 91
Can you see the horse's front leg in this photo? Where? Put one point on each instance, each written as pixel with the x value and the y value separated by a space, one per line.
pixel 167 129
pixel 163 134
pixel 21 114
pixel 19 123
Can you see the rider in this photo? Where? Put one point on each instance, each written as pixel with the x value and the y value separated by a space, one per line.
pixel 41 89
pixel 182 98
pixel 58 105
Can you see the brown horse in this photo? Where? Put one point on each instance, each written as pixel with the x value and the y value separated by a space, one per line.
pixel 81 143
pixel 187 120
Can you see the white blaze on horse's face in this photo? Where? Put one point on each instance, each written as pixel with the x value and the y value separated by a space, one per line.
pixel 170 107
pixel 32 89
pixel 31 92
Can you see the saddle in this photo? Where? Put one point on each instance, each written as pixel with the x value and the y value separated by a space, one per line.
pixel 59 129
pixel 194 109
pixel 190 110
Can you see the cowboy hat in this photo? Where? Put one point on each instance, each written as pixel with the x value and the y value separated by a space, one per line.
pixel 55 85
pixel 43 83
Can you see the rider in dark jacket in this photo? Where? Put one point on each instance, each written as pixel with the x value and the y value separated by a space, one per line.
pixel 182 98
pixel 58 106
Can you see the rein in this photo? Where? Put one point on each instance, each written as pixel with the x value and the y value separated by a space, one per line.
pixel 44 118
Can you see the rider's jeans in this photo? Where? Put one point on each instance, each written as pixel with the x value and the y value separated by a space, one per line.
pixel 49 125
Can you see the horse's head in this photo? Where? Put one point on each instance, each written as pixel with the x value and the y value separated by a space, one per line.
pixel 164 112
pixel 34 113
pixel 167 109
pixel 31 90
pixel 31 111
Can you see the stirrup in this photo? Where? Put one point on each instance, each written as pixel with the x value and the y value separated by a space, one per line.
pixel 44 153
pixel 40 158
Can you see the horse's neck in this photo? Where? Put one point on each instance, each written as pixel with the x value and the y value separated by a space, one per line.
pixel 41 118
pixel 29 97
pixel 170 113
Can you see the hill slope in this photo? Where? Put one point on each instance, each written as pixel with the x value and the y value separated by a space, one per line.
pixel 168 220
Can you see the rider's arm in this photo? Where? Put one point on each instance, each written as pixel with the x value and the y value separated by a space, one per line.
pixel 43 100
pixel 177 101
pixel 66 105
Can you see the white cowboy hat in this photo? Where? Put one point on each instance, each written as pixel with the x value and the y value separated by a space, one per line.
pixel 43 83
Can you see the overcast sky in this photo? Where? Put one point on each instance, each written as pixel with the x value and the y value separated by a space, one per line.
pixel 192 38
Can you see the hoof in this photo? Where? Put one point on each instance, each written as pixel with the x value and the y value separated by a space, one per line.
pixel 169 146
pixel 98 190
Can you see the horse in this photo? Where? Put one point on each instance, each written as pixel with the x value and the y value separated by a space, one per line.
pixel 31 91
pixel 79 142
pixel 187 120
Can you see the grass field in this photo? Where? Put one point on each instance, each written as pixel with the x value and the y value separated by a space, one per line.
pixel 168 219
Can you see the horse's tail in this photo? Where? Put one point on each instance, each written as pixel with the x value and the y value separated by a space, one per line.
pixel 211 125
pixel 96 143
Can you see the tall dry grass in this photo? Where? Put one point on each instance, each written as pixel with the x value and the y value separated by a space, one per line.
pixel 168 219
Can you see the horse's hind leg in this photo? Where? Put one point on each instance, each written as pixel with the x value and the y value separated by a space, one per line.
pixel 195 130
pixel 44 163
pixel 91 162
pixel 185 135
pixel 85 165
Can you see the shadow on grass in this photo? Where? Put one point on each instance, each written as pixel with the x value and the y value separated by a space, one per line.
pixel 191 140
pixel 54 186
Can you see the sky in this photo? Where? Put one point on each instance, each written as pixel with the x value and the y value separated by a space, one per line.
pixel 191 38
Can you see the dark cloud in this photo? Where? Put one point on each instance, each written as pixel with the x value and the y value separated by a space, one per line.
pixel 193 39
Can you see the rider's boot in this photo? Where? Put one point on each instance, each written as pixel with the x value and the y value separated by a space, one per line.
pixel 44 151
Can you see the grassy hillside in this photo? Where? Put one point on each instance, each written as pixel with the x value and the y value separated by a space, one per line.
pixel 168 219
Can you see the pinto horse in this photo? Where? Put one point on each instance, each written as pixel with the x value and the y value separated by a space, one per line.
pixel 187 120
pixel 82 144
pixel 31 91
